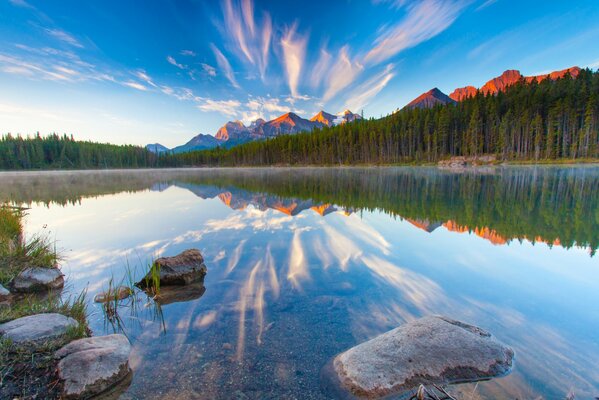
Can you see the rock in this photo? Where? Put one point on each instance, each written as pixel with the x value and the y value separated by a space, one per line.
pixel 430 350
pixel 94 365
pixel 119 293
pixel 38 279
pixel 4 293
pixel 179 294
pixel 37 328
pixel 181 269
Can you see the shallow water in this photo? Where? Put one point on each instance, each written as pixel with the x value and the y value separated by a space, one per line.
pixel 305 263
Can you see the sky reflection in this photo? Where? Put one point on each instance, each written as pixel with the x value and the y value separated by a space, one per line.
pixel 289 286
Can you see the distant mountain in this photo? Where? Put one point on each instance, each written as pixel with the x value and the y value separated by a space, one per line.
pixel 324 118
pixel 236 132
pixel 199 142
pixel 286 124
pixel 233 130
pixel 157 148
pixel 509 78
pixel 430 99
pixel 348 116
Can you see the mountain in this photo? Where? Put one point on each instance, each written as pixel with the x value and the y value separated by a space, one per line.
pixel 430 99
pixel 509 78
pixel 157 148
pixel 199 142
pixel 287 124
pixel 324 118
pixel 348 116
pixel 236 132
pixel 232 130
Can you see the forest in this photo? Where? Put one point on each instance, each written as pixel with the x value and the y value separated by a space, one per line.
pixel 550 120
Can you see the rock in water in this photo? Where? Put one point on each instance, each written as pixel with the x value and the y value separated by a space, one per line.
pixel 430 350
pixel 38 279
pixel 181 269
pixel 4 293
pixel 91 366
pixel 119 293
pixel 37 328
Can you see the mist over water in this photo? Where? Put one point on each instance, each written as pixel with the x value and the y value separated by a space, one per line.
pixel 305 263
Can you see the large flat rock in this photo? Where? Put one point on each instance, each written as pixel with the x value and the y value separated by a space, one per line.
pixel 182 269
pixel 92 366
pixel 38 279
pixel 37 328
pixel 430 350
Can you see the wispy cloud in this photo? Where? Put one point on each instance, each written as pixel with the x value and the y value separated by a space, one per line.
pixel 145 77
pixel 485 4
pixel 224 65
pixel 20 3
pixel 247 36
pixel 294 52
pixel 362 95
pixel 188 53
pixel 174 62
pixel 425 20
pixel 227 107
pixel 135 85
pixel 64 37
pixel 321 68
pixel 342 74
pixel 209 69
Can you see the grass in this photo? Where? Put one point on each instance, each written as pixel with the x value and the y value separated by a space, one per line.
pixel 30 371
pixel 16 254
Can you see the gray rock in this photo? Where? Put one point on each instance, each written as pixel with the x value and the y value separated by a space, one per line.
pixel 430 350
pixel 4 293
pixel 118 293
pixel 181 269
pixel 92 366
pixel 38 279
pixel 37 328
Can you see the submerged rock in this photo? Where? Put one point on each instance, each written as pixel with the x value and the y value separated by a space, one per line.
pixel 37 328
pixel 430 350
pixel 181 269
pixel 92 366
pixel 38 279
pixel 180 294
pixel 4 293
pixel 118 293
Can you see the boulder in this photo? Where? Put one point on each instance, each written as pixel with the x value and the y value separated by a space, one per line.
pixel 429 350
pixel 38 279
pixel 37 328
pixel 4 293
pixel 92 366
pixel 118 293
pixel 181 269
pixel 179 294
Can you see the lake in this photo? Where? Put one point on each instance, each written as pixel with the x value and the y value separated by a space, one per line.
pixel 306 263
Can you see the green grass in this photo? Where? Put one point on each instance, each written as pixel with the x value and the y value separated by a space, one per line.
pixel 17 254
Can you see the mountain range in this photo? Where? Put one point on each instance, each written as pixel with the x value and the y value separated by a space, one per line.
pixel 236 132
pixel 493 86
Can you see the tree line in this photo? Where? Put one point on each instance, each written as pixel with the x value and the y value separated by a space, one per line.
pixel 529 121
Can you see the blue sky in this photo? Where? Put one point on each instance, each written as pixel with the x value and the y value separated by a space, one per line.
pixel 155 71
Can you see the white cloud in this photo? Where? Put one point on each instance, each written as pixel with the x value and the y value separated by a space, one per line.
pixel 174 62
pixel 342 74
pixel 135 85
pixel 188 53
pixel 366 91
pixel 227 107
pixel 321 68
pixel 294 52
pixel 145 77
pixel 425 20
pixel 224 65
pixel 271 105
pixel 209 69
pixel 486 4
pixel 64 37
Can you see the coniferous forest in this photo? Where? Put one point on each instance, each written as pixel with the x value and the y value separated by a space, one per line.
pixel 550 120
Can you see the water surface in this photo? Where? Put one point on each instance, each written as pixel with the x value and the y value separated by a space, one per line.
pixel 305 263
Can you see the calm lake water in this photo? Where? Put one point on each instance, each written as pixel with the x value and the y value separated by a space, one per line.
pixel 305 263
